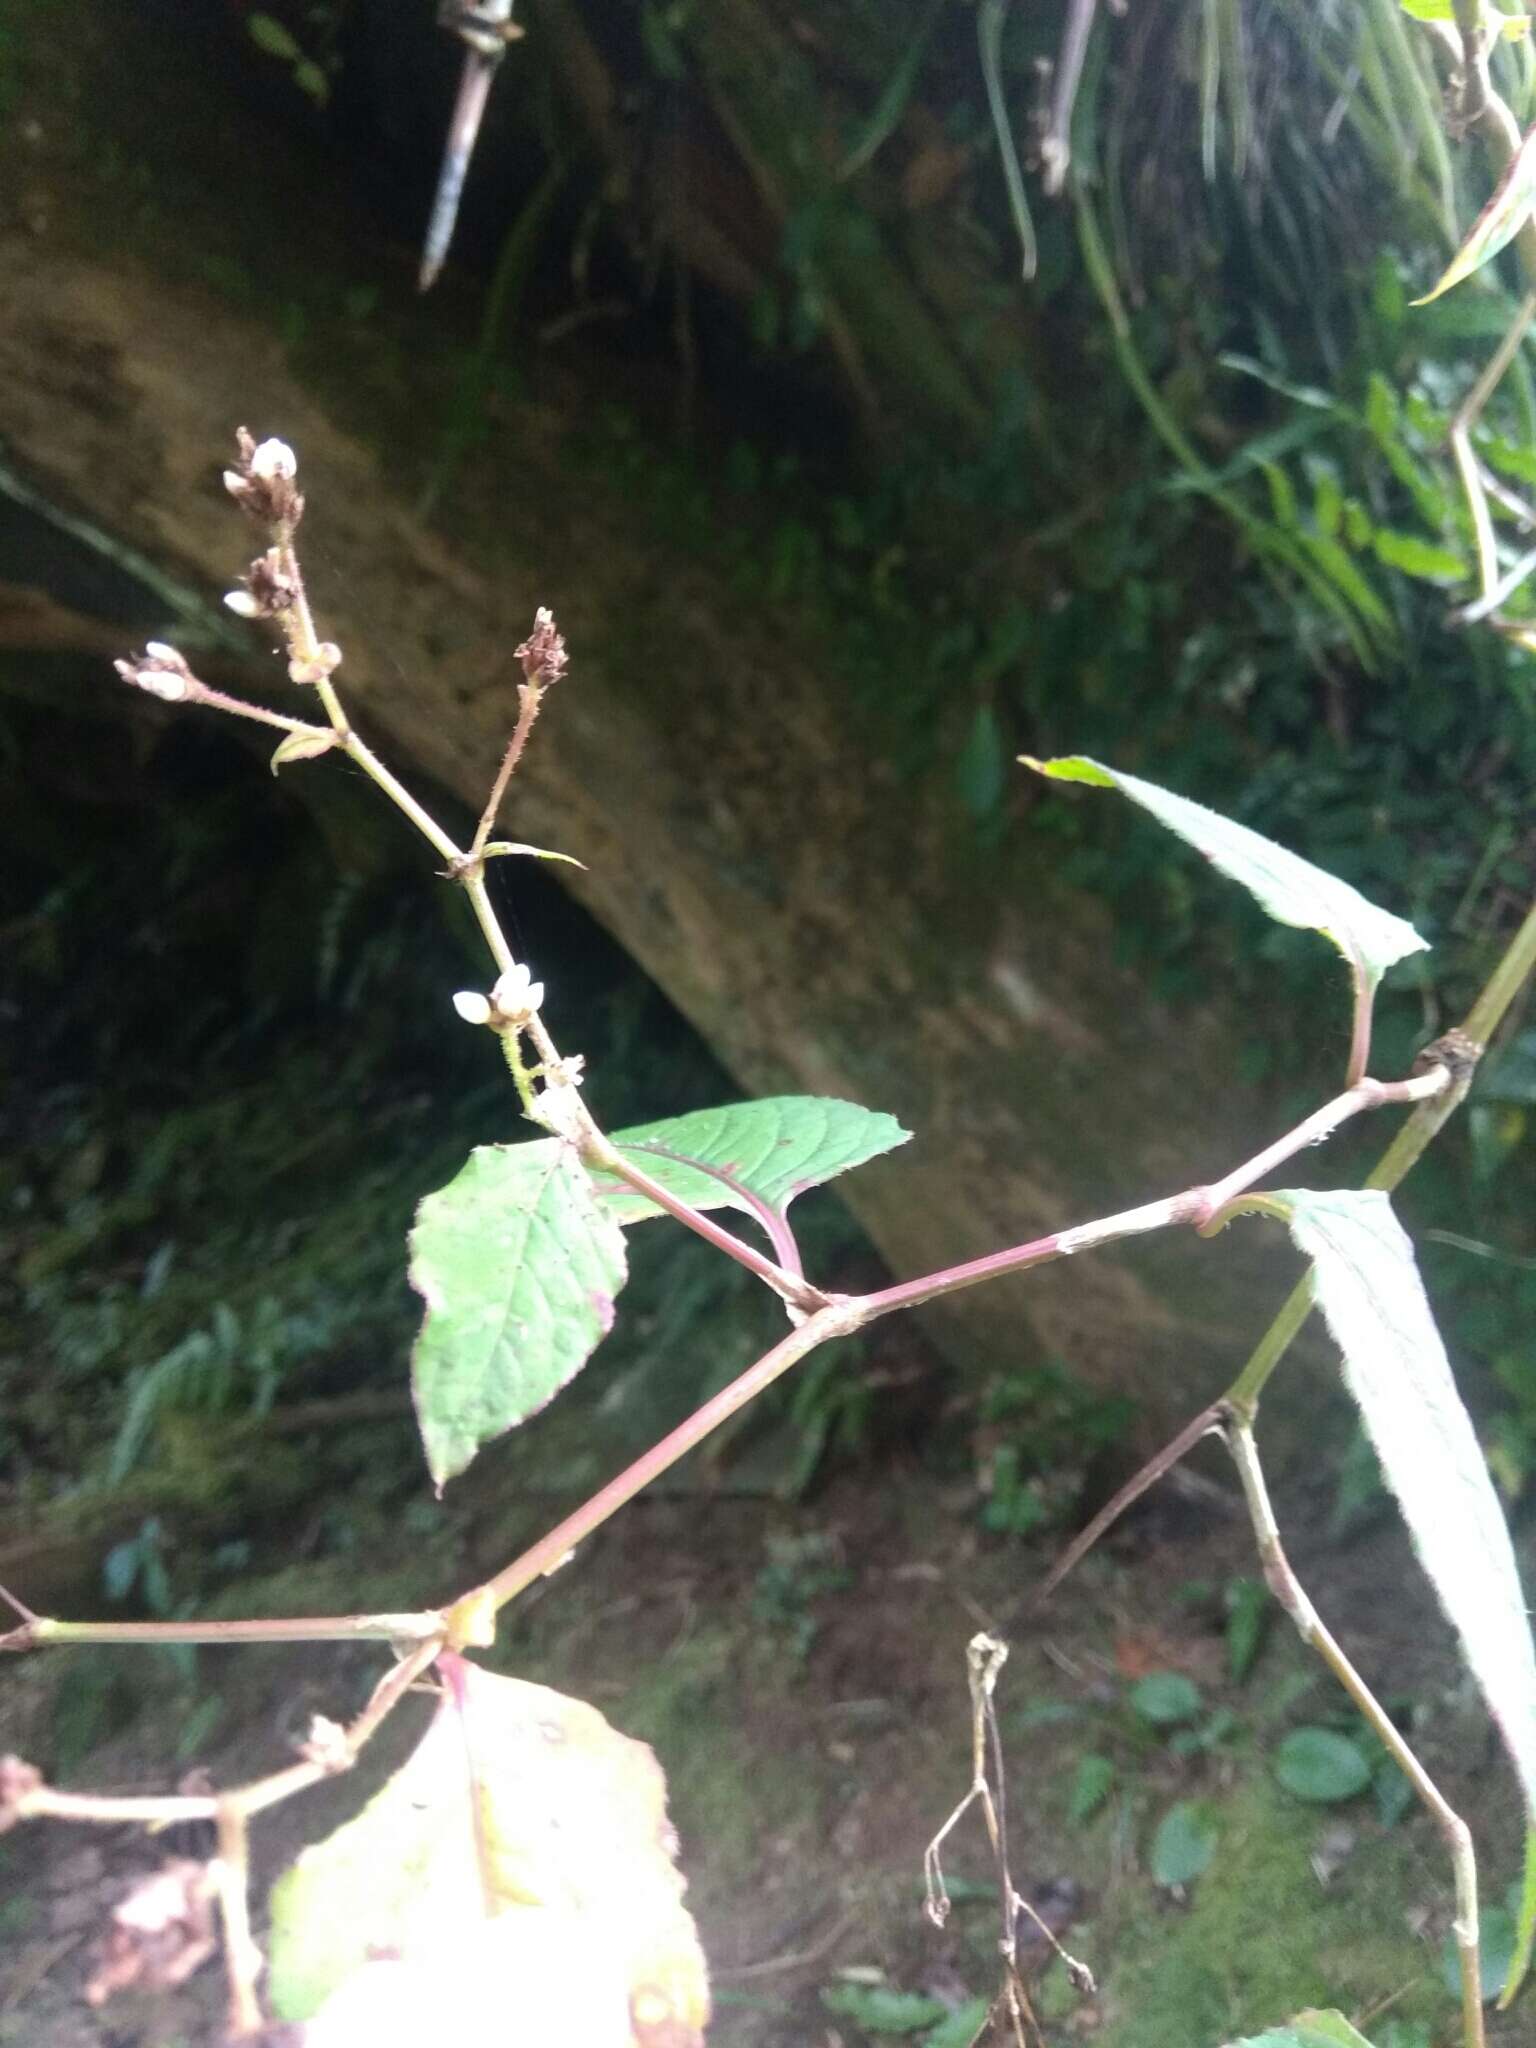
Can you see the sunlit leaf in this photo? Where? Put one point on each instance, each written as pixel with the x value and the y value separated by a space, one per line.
pixel 750 1153
pixel 1524 1905
pixel 1415 557
pixel 1395 1367
pixel 518 1264
pixel 1292 890
pixel 1499 222
pixel 1308 2030
pixel 525 1810
pixel 1511 26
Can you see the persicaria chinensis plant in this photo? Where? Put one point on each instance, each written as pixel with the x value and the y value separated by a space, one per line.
pixel 522 1853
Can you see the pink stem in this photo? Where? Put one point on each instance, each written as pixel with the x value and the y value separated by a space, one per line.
pixel 796 1290
pixel 774 1223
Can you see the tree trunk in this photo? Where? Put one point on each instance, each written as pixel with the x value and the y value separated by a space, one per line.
pixel 821 921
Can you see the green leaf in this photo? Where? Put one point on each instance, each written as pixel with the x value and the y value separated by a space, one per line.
pixel 1091 1786
pixel 302 746
pixel 1499 222
pixel 1308 2030
pixel 522 1808
pixel 1417 557
pixel 1511 26
pixel 1381 406
pixel 771 1150
pixel 879 2009
pixel 1321 1765
pixel 1165 1698
pixel 504 846
pixel 1292 890
pixel 1396 1369
pixel 519 1266
pixel 1496 1937
pixel 962 2027
pixel 1523 1906
pixel 269 34
pixel 1184 1843
pixel 1248 1610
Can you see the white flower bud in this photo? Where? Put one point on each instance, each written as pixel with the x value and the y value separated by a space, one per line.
pixel 234 483
pixel 157 650
pixel 517 995
pixel 168 683
pixel 274 459
pixel 472 1006
pixel 242 604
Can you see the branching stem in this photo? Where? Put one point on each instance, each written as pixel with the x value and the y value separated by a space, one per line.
pixel 1288 1590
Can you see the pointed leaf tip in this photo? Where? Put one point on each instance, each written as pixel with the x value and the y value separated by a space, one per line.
pixel 1290 889
pixel 1505 214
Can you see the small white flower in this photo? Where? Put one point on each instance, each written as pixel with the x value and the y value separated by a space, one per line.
pixel 472 1006
pixel 160 670
pixel 517 995
pixel 234 483
pixel 273 460
pixel 242 604
pixel 327 657
pixel 168 683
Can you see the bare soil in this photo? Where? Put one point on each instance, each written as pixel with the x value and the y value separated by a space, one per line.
pixel 801 1673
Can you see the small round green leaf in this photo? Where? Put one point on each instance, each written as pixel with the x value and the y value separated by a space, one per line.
pixel 1321 1765
pixel 1165 1698
pixel 1184 1843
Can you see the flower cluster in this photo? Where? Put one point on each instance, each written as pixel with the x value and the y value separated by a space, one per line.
pixel 513 1002
pixel 543 654
pixel 262 482
pixel 269 590
pixel 163 673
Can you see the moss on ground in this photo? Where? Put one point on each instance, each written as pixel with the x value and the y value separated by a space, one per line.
pixel 1262 1939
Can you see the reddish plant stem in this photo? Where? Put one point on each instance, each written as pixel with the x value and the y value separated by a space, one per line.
pixel 1199 1205
pixel 796 1290
pixel 529 698
pixel 774 1223
pixel 834 1319
pixel 1208 1422
pixel 1360 1026
pixel 825 1318
pixel 40 1629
